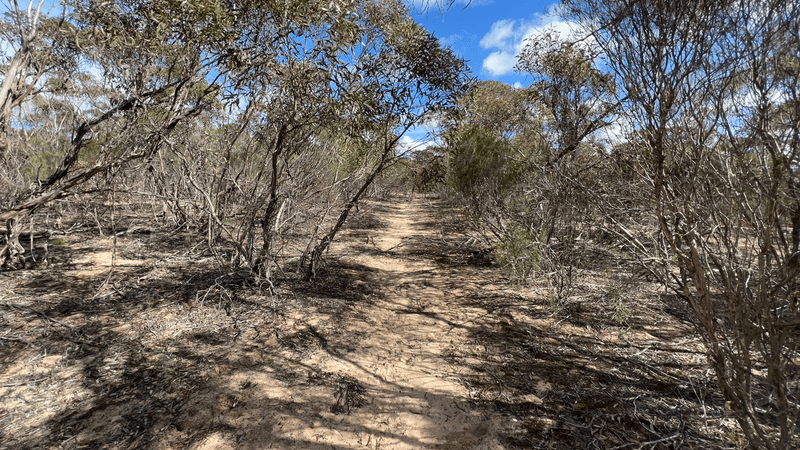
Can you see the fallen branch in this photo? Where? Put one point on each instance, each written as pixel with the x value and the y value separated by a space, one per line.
pixel 40 314
pixel 642 444
pixel 18 339
pixel 22 383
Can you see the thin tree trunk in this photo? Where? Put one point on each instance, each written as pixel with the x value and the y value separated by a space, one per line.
pixel 271 213
pixel 325 242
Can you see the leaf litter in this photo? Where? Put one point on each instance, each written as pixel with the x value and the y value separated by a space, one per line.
pixel 411 337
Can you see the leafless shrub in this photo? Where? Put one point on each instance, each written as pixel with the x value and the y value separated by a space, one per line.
pixel 714 124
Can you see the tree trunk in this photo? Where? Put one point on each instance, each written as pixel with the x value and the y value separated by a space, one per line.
pixel 12 251
pixel 325 242
pixel 271 214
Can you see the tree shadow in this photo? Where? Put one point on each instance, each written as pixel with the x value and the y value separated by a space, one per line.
pixel 575 388
pixel 178 352
pixel 171 355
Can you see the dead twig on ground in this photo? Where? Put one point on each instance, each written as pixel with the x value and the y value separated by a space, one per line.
pixel 44 316
pixel 18 339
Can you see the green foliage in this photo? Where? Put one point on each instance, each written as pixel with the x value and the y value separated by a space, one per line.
pixel 499 109
pixel 44 156
pixel 520 255
pixel 618 299
pixel 481 165
pixel 43 160
pixel 572 95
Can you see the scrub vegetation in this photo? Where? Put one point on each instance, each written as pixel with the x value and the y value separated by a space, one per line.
pixel 213 236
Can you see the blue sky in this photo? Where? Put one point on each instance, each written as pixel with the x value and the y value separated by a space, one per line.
pixel 490 33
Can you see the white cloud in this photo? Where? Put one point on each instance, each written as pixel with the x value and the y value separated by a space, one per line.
pixel 499 35
pixel 407 144
pixel 6 49
pixel 615 133
pixel 508 37
pixel 499 63
pixel 517 85
pixel 431 123
pixel 449 41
